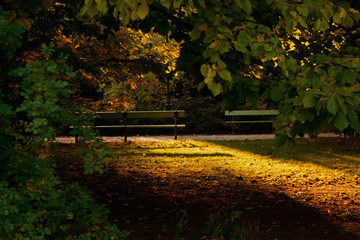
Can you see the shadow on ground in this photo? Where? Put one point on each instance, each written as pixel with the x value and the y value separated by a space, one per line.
pixel 135 206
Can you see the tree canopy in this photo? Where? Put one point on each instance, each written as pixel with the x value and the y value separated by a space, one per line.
pixel 301 56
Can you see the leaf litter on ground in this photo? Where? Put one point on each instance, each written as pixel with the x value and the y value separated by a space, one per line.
pixel 322 174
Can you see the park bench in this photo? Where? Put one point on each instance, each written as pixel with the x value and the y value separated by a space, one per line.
pixel 125 116
pixel 252 116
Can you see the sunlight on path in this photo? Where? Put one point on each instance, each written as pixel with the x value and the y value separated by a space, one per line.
pixel 226 137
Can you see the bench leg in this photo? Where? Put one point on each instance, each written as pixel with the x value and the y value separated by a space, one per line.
pixel 125 123
pixel 126 134
pixel 76 139
pixel 175 119
pixel 232 127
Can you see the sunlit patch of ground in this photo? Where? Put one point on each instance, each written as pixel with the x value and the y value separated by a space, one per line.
pixel 323 175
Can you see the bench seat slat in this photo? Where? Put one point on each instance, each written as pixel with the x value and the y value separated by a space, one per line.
pixel 142 126
pixel 138 126
pixel 140 114
pixel 251 113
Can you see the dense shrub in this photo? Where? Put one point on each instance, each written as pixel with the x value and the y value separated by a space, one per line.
pixel 34 203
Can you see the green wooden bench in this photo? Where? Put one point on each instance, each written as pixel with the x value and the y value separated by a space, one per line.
pixel 254 114
pixel 126 116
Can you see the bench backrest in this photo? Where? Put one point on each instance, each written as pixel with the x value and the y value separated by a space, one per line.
pixel 141 114
pixel 252 113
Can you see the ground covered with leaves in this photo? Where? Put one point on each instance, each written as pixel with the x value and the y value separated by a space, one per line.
pixel 214 190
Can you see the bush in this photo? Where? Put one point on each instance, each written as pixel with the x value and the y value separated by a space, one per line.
pixel 34 203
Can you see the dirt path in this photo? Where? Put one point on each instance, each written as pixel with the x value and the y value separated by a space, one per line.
pixel 222 137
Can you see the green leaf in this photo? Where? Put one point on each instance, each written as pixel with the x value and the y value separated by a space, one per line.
pixel 255 50
pixel 320 58
pixel 201 86
pixel 291 25
pixel 223 46
pixel 292 64
pixel 321 124
pixel 348 21
pixel 323 25
pixel 348 77
pixel 341 122
pixel 204 69
pixel 202 3
pixel 319 70
pixel 303 10
pixel 309 101
pixel 195 33
pixel 143 10
pixel 354 121
pixel 210 14
pixel 267 47
pixel 131 3
pixel 317 24
pixel 302 22
pixel 225 74
pixel 337 18
pixel 332 105
pixel 209 38
pixel 326 13
pixel 293 13
pixel 209 53
pixel 102 7
pixel 270 55
pixel 215 88
pixel 306 115
pixel 221 63
pixel 239 47
pixel 345 77
pixel 90 9
pixel 243 38
pixel 285 10
pixel 264 29
pixel 276 93
pixel 245 5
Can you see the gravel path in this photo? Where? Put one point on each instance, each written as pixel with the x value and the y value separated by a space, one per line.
pixel 187 137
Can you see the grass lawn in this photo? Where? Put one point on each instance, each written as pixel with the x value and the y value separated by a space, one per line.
pixel 158 190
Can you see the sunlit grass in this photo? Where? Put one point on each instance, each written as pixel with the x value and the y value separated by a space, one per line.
pixel 323 173
pixel 321 160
